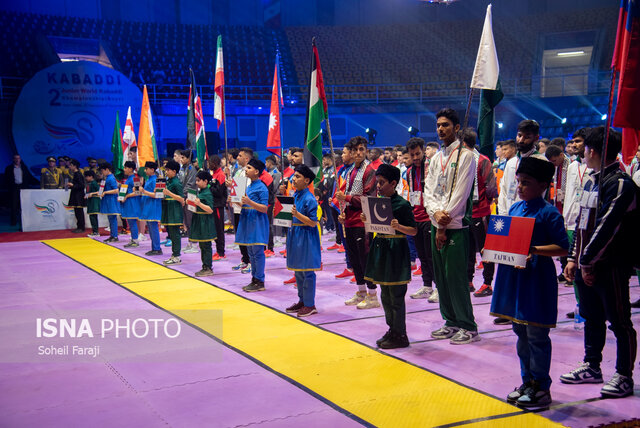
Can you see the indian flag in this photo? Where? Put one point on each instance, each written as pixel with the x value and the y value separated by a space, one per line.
pixel 147 150
pixel 486 77
pixel 317 112
pixel 218 87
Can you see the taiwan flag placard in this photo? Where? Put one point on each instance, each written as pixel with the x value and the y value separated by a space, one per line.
pixel 508 240
pixel 282 211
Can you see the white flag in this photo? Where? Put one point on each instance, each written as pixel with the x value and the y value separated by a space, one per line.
pixel 486 70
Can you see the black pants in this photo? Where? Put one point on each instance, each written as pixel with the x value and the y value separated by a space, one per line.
pixel 477 235
pixel 206 254
pixel 218 215
pixel 357 251
pixel 93 218
pixel 392 297
pixel 423 247
pixel 270 215
pixel 339 227
pixel 15 205
pixel 243 248
pixel 187 215
pixel 174 236
pixel 608 300
pixel 79 212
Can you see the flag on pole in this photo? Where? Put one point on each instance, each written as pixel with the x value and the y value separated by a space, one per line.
pixel 274 141
pixel 626 61
pixel 116 148
pixel 147 150
pixel 128 139
pixel 317 112
pixel 486 77
pixel 218 87
pixel 195 124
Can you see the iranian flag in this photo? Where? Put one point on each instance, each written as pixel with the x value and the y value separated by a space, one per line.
pixel 317 112
pixel 282 211
pixel 274 140
pixel 195 124
pixel 129 140
pixel 486 77
pixel 218 87
pixel 147 150
pixel 116 148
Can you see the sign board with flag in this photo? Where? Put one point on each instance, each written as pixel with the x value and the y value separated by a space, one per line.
pixel 379 215
pixel 508 240
pixel 122 193
pixel 161 184
pixel 282 211
pixel 238 189
pixel 191 200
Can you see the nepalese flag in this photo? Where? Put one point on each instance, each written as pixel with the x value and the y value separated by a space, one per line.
pixel 195 124
pixel 508 240
pixel 129 140
pixel 274 139
pixel 317 112
pixel 626 61
pixel 282 211
pixel 218 86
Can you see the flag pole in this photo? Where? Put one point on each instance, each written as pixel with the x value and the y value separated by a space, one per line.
pixel 603 161
pixel 464 126
pixel 281 110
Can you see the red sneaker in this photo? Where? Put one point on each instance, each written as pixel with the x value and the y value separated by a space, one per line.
pixel 345 274
pixel 353 280
pixel 333 247
pixel 284 252
pixel 269 253
pixel 480 266
pixel 485 290
pixel 291 280
pixel 217 257
pixel 418 271
pixel 341 249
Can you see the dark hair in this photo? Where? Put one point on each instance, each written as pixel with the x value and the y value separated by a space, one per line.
pixel 405 151
pixel 247 150
pixel 293 150
pixel 214 162
pixel 376 152
pixel 469 137
pixel 105 165
pixel 204 175
pixel 271 158
pixel 450 114
pixel 553 151
pixel 558 141
pixel 510 143
pixel 529 127
pixel 90 173
pixel 398 147
pixel 178 151
pixel 233 152
pixel 186 153
pixel 130 164
pixel 317 192
pixel 388 149
pixel 582 132
pixel 356 141
pixel 595 141
pixel 415 142
pixel 434 145
pixel 74 162
pixel 327 155
pixel 173 165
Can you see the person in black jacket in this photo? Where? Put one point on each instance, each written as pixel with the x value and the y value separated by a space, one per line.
pixel 17 176
pixel 601 263
pixel 219 191
pixel 76 196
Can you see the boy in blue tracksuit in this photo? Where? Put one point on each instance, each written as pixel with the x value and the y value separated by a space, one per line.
pixel 109 204
pixel 151 208
pixel 131 204
pixel 303 243
pixel 253 226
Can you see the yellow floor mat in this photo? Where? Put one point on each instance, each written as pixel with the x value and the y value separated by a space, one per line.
pixel 376 388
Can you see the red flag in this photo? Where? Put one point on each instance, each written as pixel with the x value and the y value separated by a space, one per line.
pixel 508 240
pixel 274 141
pixel 626 61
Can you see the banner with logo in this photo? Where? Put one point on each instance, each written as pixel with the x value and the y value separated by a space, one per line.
pixel 46 209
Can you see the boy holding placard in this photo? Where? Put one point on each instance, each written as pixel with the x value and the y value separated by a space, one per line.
pixel 389 262
pixel 151 208
pixel 203 227
pixel 109 205
pixel 529 296
pixel 130 203
pixel 172 210
pixel 303 242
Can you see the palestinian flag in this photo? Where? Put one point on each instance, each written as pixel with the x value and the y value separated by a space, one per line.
pixel 486 77
pixel 195 124
pixel 282 211
pixel 317 112
pixel 116 148
pixel 218 86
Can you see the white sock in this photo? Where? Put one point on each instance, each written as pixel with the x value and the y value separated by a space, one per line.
pixel 362 288
pixel 371 292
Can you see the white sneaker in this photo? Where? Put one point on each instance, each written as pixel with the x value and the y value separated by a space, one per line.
pixel 434 297
pixel 369 302
pixel 142 237
pixel 422 293
pixel 173 261
pixel 191 249
pixel 357 298
pixel 462 337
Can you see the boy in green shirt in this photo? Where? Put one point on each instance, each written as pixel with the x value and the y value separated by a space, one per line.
pixel 172 210
pixel 203 228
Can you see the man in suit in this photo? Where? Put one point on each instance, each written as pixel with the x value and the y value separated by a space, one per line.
pixel 17 176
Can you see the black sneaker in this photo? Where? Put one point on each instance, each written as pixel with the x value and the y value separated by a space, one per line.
pixel 471 287
pixel 394 341
pixel 619 386
pixel 111 239
pixel 517 393
pixel 293 309
pixel 383 338
pixel 583 374
pixel 254 286
pixel 636 304
pixel 562 279
pixel 153 253
pixel 501 321
pixel 533 396
pixel 571 315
